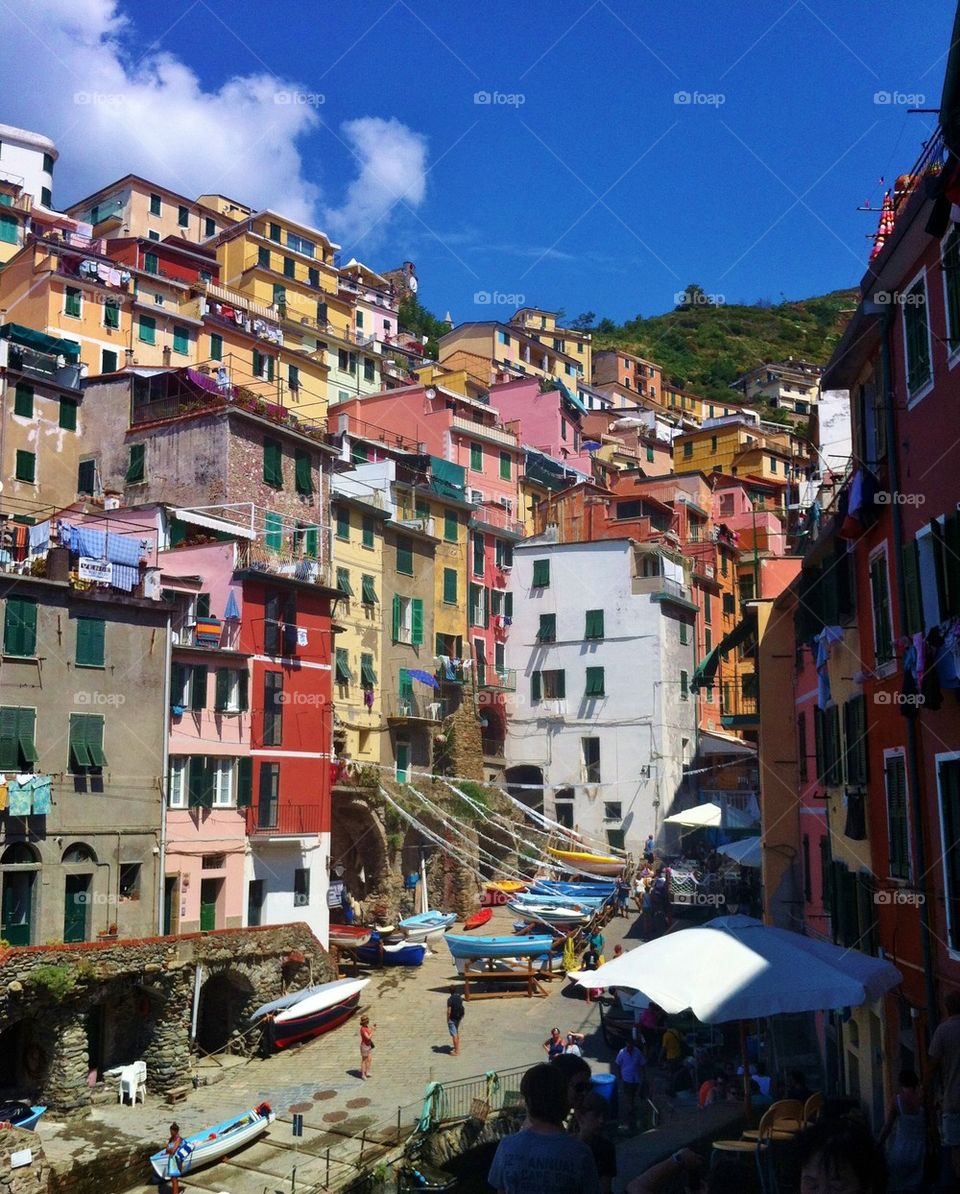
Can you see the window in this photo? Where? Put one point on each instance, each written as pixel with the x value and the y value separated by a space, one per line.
pixel 293 377
pixel 773 464
pixel 313 277
pixel 479 553
pixel 111 314
pixel 612 810
pixel 649 454
pixel 342 673
pixel 479 607
pixel 451 527
pixel 505 469
pixel 684 635
pixel 183 216
pixel 802 747
pixel 67 415
pixel 147 329
pixel 343 582
pixel 729 601
pixel 707 641
pixel 563 428
pixel 949 775
pixel 684 686
pixel 303 473
pixel 368 590
pixel 687 450
pixel 368 528
pixel 301 887
pixel 129 883
pixel 476 458
pixel 231 690
pixel 564 813
pixel 369 369
pixel 895 783
pixel 273 463
pixel 594 687
pixel 880 595
pixel 74 302
pixel 153 235
pixel 86 743
pixel 590 753
pixel 950 265
pixel 222 782
pixel 26 466
pixel 299 244
pixel 244 782
pixel 541 574
pixel 855 735
pixel 181 339
pixel 216 347
pixel 9 230
pixel 547 632
pixel 503 338
pixel 18 751
pixel 209 226
pixel 151 263
pixel 263 257
pixel 407 620
pixel 90 642
pixel 137 464
pixel 87 477
pixel 23 400
pixel 343 523
pixel 503 553
pixel 404 555
pixel 594 624
pixel 289 267
pixel 450 586
pixel 916 337
pixel 155 205
pixel 108 360
pixel 272 708
pixel 549 685
pixel 368 677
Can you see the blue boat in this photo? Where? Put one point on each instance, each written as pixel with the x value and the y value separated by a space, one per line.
pixel 387 953
pixel 425 924
pixel 588 903
pixel 599 891
pixel 213 1143
pixel 20 1115
pixel 468 946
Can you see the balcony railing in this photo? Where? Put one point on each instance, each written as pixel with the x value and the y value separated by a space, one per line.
pixel 255 556
pixel 283 820
pixel 492 748
pixel 496 680
pixel 44 367
pixel 492 514
pixel 738 701
pixel 483 431
pixel 414 707
pixel 660 587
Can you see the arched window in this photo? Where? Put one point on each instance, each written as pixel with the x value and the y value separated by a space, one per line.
pixel 79 852
pixel 19 854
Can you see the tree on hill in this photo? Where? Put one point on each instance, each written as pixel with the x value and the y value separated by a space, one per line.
pixel 413 317
pixel 584 321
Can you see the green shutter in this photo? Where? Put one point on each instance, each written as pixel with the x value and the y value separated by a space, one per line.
pixel 136 467
pixel 273 463
pixel 476 458
pixel 594 627
pixel 243 701
pixel 90 642
pixel 304 473
pixel 450 586
pixel 451 526
pixel 9 734
pixel 181 339
pixel 222 698
pixel 244 781
pixel 368 531
pixel 26 466
pixel 417 635
pixel 273 531
pixel 913 609
pixel 26 728
pixel 367 675
pixel 196 781
pixel 67 416
pixel 535 687
pixel 148 329
pixel 79 753
pixel 541 574
pixel 94 734
pixel 547 631
pixel 20 627
pixel 198 690
pixel 897 828
pixel 311 541
pixel 405 684
pixel 23 400
pixel 855 731
pixel 404 556
pixel 216 347
pixel 396 618
pixel 508 605
pixel 177 681
pixel 343 582
pixel 73 301
pixel 202 605
pixel 342 666
pixel 293 377
pixel 561 684
pixel 505 466
pixel 595 682
pixel 368 590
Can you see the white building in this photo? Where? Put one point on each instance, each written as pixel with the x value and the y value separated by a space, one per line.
pixel 27 159
pixel 602 641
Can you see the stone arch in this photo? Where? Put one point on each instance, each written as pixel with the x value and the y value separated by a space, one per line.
pixel 225 998
pixel 25 1057
pixel 359 845
pixel 20 854
pixel 79 854
pixel 119 1025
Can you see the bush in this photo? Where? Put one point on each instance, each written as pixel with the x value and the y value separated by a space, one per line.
pixel 57 981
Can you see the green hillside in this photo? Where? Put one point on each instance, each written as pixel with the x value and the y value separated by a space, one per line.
pixel 703 347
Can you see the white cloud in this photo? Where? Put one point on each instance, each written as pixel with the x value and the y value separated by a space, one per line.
pixel 392 167
pixel 74 71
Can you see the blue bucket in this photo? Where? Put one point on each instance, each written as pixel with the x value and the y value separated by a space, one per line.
pixel 606 1086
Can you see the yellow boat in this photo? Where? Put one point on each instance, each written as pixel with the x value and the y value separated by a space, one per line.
pixel 507 886
pixel 593 864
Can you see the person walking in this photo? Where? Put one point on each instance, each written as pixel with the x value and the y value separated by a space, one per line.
pixel 648 848
pixel 455 1014
pixel 366 1045
pixel 906 1128
pixel 541 1158
pixel 173 1144
pixel 631 1070
pixel 622 894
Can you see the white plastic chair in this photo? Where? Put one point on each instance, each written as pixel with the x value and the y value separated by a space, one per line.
pixel 133 1083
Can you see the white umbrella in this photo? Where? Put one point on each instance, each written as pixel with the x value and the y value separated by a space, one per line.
pixel 702 816
pixel 746 852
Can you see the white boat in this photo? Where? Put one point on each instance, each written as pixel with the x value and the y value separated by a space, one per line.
pixel 325 1008
pixel 425 925
pixel 550 914
pixel 213 1143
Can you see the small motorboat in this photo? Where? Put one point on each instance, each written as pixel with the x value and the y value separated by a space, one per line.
pixel 478 919
pixel 498 947
pixel 349 936
pixel 20 1115
pixel 585 903
pixel 425 925
pixel 213 1143
pixel 323 1008
pixel 593 864
pixel 392 953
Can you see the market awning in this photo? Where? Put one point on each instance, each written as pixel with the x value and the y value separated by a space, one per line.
pixel 705 670
pixel 40 341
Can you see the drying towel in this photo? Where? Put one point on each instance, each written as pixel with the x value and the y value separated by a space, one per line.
pixel 91 543
pixel 41 795
pixel 39 536
pixel 125 577
pixel 123 550
pixel 20 799
pixel 4 797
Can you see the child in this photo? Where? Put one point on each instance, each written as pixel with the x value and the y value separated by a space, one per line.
pixel 906 1128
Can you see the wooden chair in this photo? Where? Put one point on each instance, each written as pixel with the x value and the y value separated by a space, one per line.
pixel 786 1120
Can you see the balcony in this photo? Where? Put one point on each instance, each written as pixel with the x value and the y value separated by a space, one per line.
pixel 254 556
pixel 44 367
pixel 662 588
pixel 496 680
pixel 492 748
pixel 739 706
pixel 426 526
pixel 414 707
pixel 283 820
pixel 483 431
pixel 497 517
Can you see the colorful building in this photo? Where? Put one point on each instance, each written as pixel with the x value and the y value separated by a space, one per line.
pixel 613 366
pixel 134 206
pixel 492 351
pixel 543 326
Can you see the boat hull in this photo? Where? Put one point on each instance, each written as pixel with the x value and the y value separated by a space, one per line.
pixel 216 1142
pixel 498 947
pixel 478 919
pixel 310 1024
pixel 551 914
pixel 403 953
pixel 593 864
pixel 20 1115
pixel 426 925
pixel 349 936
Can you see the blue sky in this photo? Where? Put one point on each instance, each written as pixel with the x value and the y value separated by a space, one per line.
pixel 583 183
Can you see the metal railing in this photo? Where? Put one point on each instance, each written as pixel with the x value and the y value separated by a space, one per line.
pixel 283 820
pixel 492 747
pixel 44 366
pixel 738 698
pixel 497 680
pixel 255 556
pixel 660 584
pixel 414 707
pixel 482 431
pixel 493 514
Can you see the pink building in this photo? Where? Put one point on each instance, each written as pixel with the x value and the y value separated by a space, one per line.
pixel 550 421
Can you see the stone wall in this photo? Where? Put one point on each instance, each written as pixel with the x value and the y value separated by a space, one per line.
pixel 136 998
pixel 27 1179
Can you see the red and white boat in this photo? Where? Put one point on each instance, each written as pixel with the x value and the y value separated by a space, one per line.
pixel 349 936
pixel 328 1007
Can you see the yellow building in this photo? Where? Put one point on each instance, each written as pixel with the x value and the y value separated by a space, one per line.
pixel 359 514
pixel 134 206
pixel 542 325
pixel 735 447
pixel 458 380
pixel 683 403
pixel 494 351
pixel 290 267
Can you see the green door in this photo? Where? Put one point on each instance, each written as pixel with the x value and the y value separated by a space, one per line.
pixel 17 907
pixel 169 894
pixel 76 901
pixel 209 890
pixel 403 761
